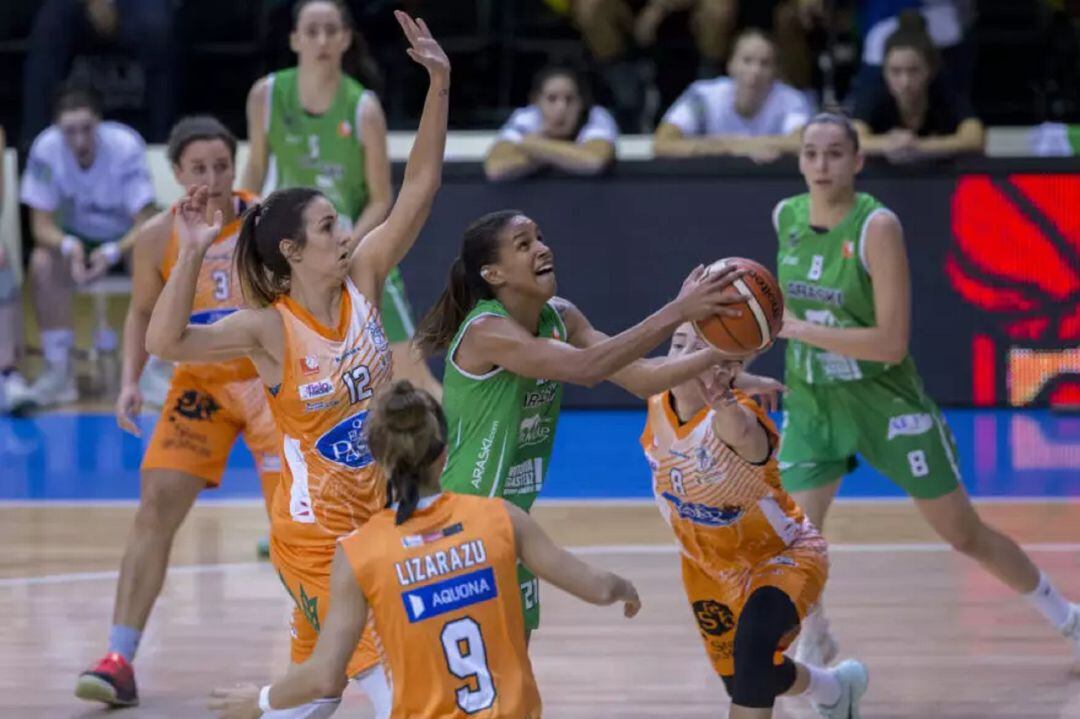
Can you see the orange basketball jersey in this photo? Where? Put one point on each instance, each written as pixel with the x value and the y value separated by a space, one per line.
pixel 444 590
pixel 331 484
pixel 723 509
pixel 217 292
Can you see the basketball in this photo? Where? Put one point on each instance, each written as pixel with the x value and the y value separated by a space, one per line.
pixel 762 311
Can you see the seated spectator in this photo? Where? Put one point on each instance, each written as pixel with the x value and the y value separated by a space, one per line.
pixel 142 29
pixel 561 128
pixel 749 113
pixel 88 187
pixel 918 117
pixel 14 394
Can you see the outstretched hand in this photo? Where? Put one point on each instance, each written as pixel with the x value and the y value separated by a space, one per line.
pixel 423 48
pixel 192 230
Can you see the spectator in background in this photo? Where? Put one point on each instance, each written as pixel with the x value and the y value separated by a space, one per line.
pixel 749 114
pixel 63 28
pixel 14 394
pixel 561 128
pixel 88 188
pixel 919 117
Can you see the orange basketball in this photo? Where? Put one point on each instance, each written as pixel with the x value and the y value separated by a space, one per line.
pixel 762 311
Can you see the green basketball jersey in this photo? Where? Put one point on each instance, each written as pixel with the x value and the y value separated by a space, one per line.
pixel 825 280
pixel 501 425
pixel 320 151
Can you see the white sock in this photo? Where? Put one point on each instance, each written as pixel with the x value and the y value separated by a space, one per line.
pixel 1049 602
pixel 318 709
pixel 815 622
pixel 377 689
pixel 57 344
pixel 824 685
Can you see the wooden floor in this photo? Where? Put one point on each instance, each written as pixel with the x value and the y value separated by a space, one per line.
pixel 941 638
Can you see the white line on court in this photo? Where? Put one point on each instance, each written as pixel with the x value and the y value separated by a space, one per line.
pixel 589 550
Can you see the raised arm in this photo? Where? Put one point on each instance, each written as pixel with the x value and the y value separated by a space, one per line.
pixel 324 674
pixel 643 377
pixel 554 564
pixel 168 334
pixel 258 148
pixel 504 343
pixel 376 167
pixel 887 341
pixel 386 245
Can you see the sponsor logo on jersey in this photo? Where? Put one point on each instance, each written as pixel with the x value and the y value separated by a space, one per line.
pixel 534 429
pixel 345 443
pixel 703 513
pixel 816 293
pixel 790 260
pixel 713 618
pixel 484 455
pixel 316 389
pixel 209 317
pixel 419 540
pixel 848 249
pixel 346 355
pixel 524 478
pixel 309 365
pixel 416 570
pixel 377 335
pixel 320 406
pixel 344 128
pixel 450 595
pixel 909 425
pixel 541 396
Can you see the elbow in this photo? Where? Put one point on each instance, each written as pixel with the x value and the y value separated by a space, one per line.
pixel 893 352
pixel 494 172
pixel 160 347
pixel 331 684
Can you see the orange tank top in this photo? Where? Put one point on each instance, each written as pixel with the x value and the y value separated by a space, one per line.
pixel 217 293
pixel 331 484
pixel 722 508
pixel 444 590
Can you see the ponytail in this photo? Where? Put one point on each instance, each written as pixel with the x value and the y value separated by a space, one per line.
pixel 406 432
pixel 263 269
pixel 464 285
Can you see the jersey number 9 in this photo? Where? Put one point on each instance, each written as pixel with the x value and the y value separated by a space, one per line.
pixel 466 659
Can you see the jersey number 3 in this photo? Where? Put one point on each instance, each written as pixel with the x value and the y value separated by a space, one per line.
pixel 463 645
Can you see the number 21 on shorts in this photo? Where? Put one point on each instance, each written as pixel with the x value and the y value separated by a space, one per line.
pixel 917 462
pixel 466 658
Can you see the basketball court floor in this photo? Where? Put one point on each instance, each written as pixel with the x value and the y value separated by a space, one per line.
pixel 941 638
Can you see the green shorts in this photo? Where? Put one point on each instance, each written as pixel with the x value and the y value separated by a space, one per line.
pixel 396 313
pixel 888 419
pixel 530 597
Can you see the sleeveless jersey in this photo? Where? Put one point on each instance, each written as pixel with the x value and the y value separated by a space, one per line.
pixel 722 508
pixel 443 588
pixel 825 280
pixel 501 425
pixel 321 151
pixel 330 484
pixel 217 293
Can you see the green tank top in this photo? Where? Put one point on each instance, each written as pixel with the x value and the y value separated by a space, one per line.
pixel 501 425
pixel 320 151
pixel 825 280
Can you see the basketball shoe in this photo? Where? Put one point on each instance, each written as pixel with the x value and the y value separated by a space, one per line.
pixel 112 681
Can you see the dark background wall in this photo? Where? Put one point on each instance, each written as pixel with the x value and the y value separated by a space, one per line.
pixel 624 243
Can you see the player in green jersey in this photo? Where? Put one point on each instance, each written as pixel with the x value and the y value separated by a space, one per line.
pixel 314 126
pixel 853 386
pixel 510 344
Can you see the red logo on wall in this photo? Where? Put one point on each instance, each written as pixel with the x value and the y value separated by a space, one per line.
pixel 1016 255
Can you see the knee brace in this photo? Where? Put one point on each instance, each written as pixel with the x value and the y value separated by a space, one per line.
pixel 766 617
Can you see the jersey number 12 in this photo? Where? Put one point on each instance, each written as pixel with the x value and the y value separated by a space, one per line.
pixel 358 381
pixel 463 645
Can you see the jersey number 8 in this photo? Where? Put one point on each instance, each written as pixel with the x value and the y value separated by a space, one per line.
pixel 463 645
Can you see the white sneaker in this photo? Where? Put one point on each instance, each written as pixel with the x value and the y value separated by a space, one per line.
pixel 1071 631
pixel 816 646
pixel 15 395
pixel 854 679
pixel 55 385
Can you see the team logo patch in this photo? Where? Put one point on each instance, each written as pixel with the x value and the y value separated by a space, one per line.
pixel 848 250
pixel 378 335
pixel 909 425
pixel 534 429
pixel 450 594
pixel 344 128
pixel 703 513
pixel 314 390
pixel 713 618
pixel 345 443
pixel 196 405
pixel 419 540
pixel 309 365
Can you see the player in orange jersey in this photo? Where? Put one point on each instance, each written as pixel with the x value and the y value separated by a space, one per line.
pixel 752 564
pixel 438 571
pixel 208 405
pixel 319 347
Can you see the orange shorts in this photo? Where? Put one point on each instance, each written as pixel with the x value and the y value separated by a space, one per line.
pixel 305 572
pixel 717 596
pixel 200 423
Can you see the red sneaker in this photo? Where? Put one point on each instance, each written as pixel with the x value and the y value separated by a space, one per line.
pixel 112 681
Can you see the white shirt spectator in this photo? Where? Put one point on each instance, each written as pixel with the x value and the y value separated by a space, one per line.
pixel 707 107
pixel 600 125
pixel 98 203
